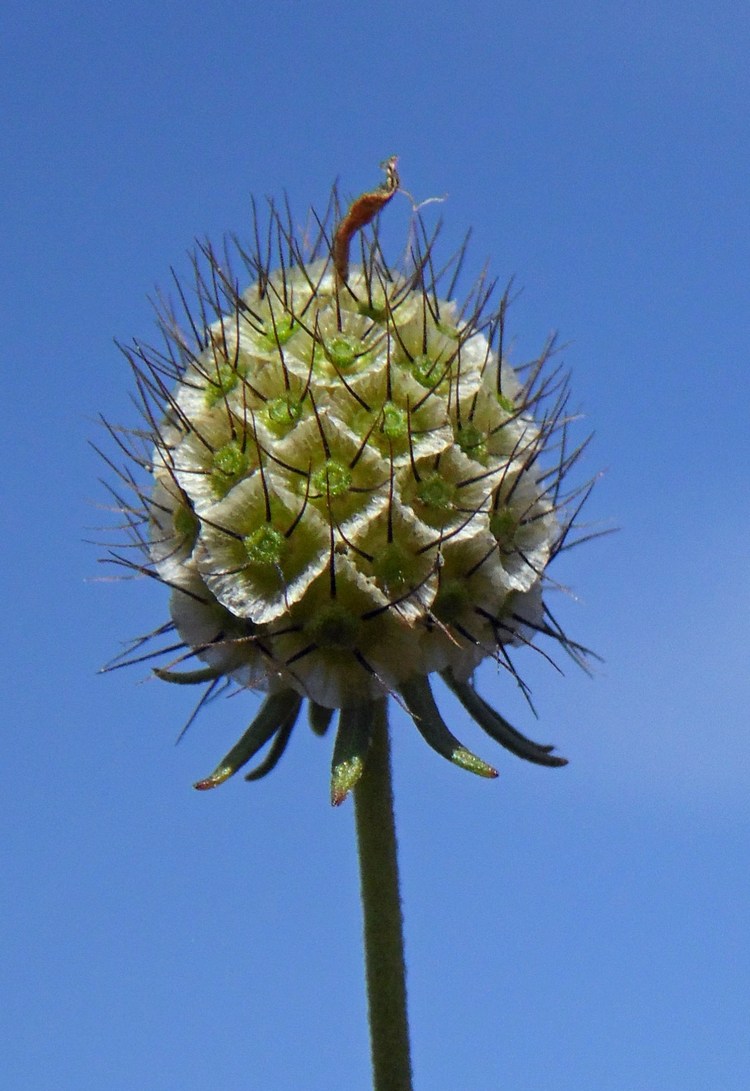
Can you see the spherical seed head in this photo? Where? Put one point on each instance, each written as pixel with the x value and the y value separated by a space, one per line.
pixel 351 487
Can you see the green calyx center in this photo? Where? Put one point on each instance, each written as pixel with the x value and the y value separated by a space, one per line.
pixel 395 422
pixel 451 601
pixel 184 522
pixel 373 311
pixel 265 547
pixel 334 628
pixel 395 568
pixel 332 479
pixel 283 413
pixel 435 492
pixel 503 525
pixel 343 351
pixel 230 459
pixel 230 462
pixel 471 441
pixel 426 371
pixel 220 381
pixel 279 333
pixel 448 330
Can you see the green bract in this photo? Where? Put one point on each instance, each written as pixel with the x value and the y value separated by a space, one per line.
pixel 347 489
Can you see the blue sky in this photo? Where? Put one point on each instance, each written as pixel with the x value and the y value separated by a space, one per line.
pixel 566 929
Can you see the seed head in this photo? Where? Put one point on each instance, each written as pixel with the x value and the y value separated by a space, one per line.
pixel 345 485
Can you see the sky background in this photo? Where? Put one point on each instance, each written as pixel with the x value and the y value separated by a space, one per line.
pixel 566 929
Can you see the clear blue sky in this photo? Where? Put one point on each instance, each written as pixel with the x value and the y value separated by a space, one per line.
pixel 566 929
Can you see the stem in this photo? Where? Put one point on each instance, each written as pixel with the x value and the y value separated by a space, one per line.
pixel 383 923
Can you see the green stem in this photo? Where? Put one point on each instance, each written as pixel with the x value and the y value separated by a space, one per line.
pixel 383 923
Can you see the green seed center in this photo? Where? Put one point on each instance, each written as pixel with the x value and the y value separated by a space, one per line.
pixel 333 478
pixel 395 423
pixel 184 522
pixel 283 413
pixel 343 351
pixel 503 524
pixel 265 546
pixel 279 334
pixel 427 371
pixel 435 492
pixel 451 601
pixel 471 441
pixel 230 460
pixel 335 628
pixel 394 567
pixel 220 382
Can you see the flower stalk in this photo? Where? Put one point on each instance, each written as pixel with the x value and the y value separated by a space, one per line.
pixel 383 920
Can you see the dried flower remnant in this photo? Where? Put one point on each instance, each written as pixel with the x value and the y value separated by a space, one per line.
pixel 362 212
pixel 348 488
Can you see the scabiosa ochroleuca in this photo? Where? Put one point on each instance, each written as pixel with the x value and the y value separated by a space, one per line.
pixel 346 487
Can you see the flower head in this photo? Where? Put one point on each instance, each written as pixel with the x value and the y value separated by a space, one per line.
pixel 348 487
